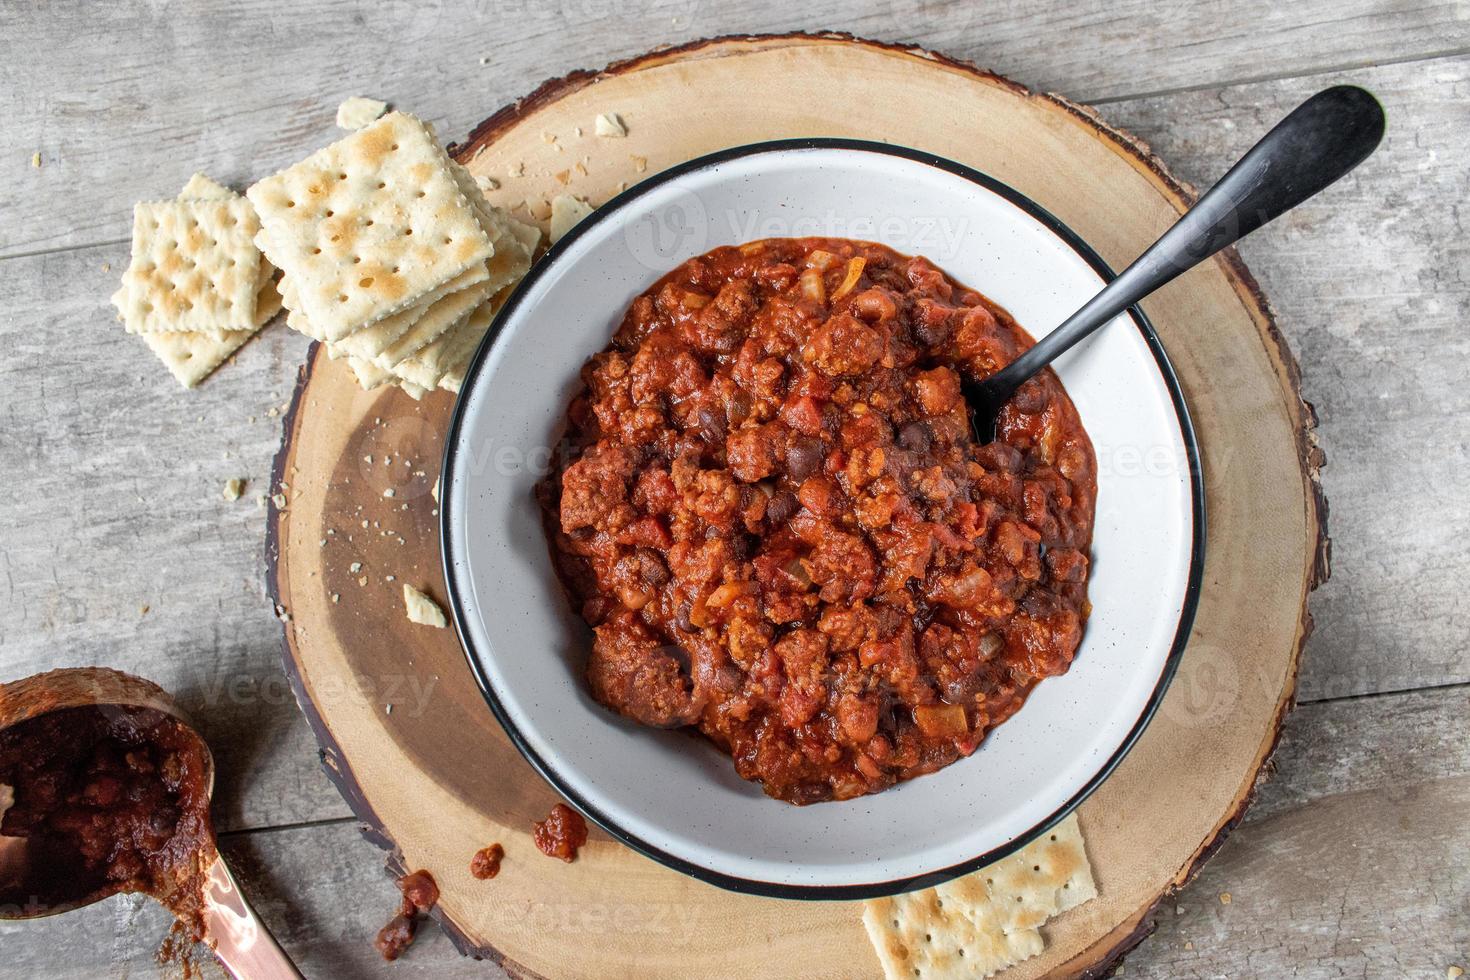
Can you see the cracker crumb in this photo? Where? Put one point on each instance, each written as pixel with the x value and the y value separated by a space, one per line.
pixel 390 578
pixel 336 597
pixel 36 159
pixel 1188 944
pixel 421 609
pixel 279 499
pixel 1224 898
pixel 610 125
pixel 562 176
pixel 143 609
pixel 359 111
pixel 107 267
pixel 1453 972
pixel 517 169
pixel 640 164
pixel 362 581
pixel 487 183
pixel 234 487
pixel 566 211
pixel 355 567
pixel 390 492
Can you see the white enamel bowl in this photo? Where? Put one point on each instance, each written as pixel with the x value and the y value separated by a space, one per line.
pixel 675 797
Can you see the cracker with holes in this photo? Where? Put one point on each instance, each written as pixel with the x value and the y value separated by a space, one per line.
pixel 984 922
pixel 449 312
pixel 375 338
pixel 267 296
pixel 193 349
pixel 449 353
pixel 369 225
pixel 195 266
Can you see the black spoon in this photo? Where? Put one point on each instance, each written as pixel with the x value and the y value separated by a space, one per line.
pixel 1323 138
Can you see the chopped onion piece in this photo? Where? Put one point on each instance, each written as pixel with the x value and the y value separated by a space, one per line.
pixel 854 273
pixel 820 259
pixel 812 286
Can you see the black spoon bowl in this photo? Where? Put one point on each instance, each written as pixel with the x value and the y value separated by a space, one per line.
pixel 1323 138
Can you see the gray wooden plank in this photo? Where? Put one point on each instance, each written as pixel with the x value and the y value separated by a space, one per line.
pixel 113 478
pixel 1352 863
pixel 1370 287
pixel 1363 884
pixel 123 100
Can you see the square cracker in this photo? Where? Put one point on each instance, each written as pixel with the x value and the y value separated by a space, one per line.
pixel 369 225
pixel 378 336
pixel 191 356
pixel 980 924
pixel 444 315
pixel 194 266
pixel 505 232
pixel 267 294
pixel 449 353
pixel 369 376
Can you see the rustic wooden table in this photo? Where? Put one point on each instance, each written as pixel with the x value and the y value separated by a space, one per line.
pixel 117 548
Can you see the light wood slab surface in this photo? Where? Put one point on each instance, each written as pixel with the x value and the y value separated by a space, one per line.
pixel 113 474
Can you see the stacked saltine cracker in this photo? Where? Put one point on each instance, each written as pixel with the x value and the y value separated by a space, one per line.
pixel 391 255
pixel 197 286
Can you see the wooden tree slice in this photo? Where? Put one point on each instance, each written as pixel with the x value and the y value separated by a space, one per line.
pixel 435 779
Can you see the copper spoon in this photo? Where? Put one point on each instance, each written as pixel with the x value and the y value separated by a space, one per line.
pixel 241 942
pixel 1323 138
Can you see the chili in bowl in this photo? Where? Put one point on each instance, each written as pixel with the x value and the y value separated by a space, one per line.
pixel 750 459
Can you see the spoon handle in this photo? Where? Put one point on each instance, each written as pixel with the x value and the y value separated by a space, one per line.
pixel 1323 138
pixel 243 945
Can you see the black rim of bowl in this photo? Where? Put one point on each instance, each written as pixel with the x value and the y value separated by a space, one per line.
pixel 870 889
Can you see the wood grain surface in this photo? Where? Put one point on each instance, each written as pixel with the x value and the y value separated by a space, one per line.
pixel 113 474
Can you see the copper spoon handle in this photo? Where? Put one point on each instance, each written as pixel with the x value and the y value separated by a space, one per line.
pixel 243 945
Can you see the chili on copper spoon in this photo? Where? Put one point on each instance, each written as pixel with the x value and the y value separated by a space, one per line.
pixel 239 940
